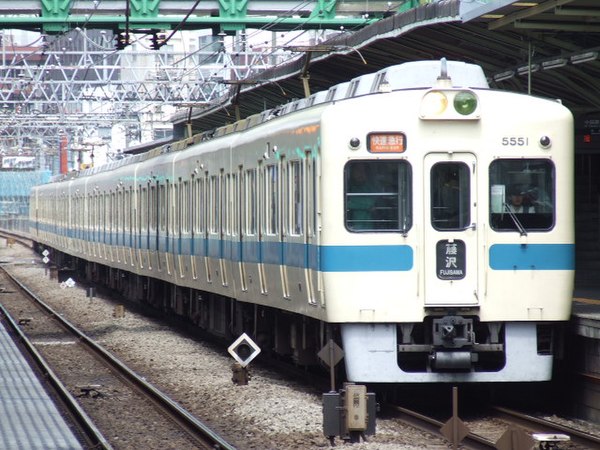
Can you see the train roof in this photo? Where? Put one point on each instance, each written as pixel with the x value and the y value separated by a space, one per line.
pixel 409 75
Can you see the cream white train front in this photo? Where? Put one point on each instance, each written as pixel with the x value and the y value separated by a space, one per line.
pixel 415 216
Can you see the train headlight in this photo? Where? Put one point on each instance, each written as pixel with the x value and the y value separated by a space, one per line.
pixel 465 102
pixel 435 105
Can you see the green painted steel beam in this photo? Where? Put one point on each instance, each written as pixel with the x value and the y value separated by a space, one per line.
pixel 325 9
pixel 57 16
pixel 164 22
pixel 144 8
pixel 56 9
pixel 233 9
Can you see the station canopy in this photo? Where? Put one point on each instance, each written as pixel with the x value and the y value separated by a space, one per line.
pixel 546 48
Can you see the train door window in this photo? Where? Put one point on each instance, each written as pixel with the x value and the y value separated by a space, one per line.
pixel 143 209
pixel 173 215
pixel 226 203
pixel 284 189
pixel 176 209
pixel 112 219
pixel 522 195
pixel 128 210
pixel 296 197
pixel 450 196
pixel 251 202
pixel 213 204
pixel 153 209
pixel 193 205
pixel 162 203
pixel 377 196
pixel 185 207
pixel 235 204
pixel 119 211
pixel 311 194
pixel 200 205
pixel 92 214
pixel 102 218
pixel 272 202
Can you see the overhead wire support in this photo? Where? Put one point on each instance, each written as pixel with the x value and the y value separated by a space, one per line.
pixel 308 50
pixel 180 24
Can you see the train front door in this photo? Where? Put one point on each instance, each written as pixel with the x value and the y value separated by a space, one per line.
pixel 450 229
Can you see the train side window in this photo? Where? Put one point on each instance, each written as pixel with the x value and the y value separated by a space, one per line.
pixel 522 194
pixel 377 196
pixel 450 196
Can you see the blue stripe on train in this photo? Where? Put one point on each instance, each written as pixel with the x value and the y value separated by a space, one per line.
pixel 345 258
pixel 532 257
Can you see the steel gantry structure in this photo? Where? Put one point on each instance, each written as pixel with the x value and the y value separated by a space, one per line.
pixel 52 16
pixel 132 63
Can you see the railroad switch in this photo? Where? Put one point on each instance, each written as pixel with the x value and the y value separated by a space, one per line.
pixel 349 414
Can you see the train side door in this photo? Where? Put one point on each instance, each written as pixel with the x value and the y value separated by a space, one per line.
pixel 450 229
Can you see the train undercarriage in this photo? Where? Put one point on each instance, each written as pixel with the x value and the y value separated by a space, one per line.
pixel 287 335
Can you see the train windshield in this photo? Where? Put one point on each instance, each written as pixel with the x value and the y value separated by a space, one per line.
pixel 522 195
pixel 377 196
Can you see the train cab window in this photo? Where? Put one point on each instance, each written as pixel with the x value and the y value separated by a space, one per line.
pixel 450 196
pixel 377 196
pixel 522 195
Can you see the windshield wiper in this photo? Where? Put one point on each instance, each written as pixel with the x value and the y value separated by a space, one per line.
pixel 515 220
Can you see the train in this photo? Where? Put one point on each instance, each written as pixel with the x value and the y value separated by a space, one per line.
pixel 415 217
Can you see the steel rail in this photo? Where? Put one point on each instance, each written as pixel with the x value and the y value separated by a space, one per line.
pixel 471 441
pixel 577 436
pixel 85 423
pixel 194 426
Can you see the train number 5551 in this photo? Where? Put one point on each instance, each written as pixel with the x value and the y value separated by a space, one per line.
pixel 514 141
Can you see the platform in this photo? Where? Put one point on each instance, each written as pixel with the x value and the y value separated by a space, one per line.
pixel 583 355
pixel 29 419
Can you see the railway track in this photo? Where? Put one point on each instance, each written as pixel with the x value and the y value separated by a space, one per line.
pixel 474 440
pixel 505 420
pixel 109 394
